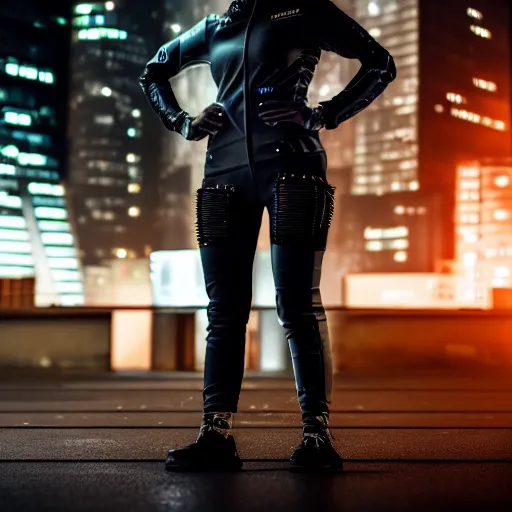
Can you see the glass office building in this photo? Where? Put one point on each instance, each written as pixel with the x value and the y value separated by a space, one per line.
pixel 115 141
pixel 36 231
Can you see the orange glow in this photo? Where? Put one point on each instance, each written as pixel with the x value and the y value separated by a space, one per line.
pixel 131 340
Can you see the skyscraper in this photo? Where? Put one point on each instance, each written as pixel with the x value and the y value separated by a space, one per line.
pixel 182 166
pixel 114 150
pixel 450 101
pixel 36 233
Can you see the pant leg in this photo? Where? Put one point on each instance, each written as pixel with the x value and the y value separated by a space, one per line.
pixel 228 224
pixel 300 212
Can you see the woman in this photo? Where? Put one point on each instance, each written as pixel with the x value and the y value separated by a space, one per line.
pixel 264 151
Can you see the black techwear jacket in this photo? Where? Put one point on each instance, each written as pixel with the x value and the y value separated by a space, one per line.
pixel 268 50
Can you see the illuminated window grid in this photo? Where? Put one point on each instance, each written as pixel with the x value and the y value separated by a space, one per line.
pixel 396 27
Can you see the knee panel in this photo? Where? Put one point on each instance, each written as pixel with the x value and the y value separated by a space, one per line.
pixel 302 211
pixel 216 215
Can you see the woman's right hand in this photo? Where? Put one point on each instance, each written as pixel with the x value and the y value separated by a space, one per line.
pixel 208 122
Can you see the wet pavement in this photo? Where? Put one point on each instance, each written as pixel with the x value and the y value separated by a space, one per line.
pixel 417 442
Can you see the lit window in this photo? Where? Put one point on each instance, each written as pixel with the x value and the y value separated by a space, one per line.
pixel 19 119
pixel 121 253
pixel 110 6
pixel 136 112
pixel 485 84
pixel 473 13
pixel 83 9
pixel 7 169
pixel 176 28
pixel 373 8
pixel 11 234
pixel 9 201
pixel 375 32
pixel 53 225
pixel 132 132
pixel 374 246
pixel 414 185
pixel 480 31
pixel 43 212
pixel 133 188
pixel 93 34
pixel 439 108
pixel 400 256
pixel 472 117
pixel 132 158
pixel 106 91
pixel 134 211
pixel 502 181
pixel 63 263
pixel 399 244
pixel 501 214
pixel 46 189
pixel 455 98
pixel 57 238
pixel 399 210
pixel 104 119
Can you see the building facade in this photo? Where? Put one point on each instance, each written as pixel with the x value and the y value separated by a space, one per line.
pixel 115 144
pixel 36 230
pixel 450 101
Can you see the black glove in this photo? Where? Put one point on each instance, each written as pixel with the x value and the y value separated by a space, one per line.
pixel 208 122
pixel 273 112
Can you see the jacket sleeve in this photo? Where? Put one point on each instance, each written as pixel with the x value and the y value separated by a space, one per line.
pixel 191 47
pixel 335 31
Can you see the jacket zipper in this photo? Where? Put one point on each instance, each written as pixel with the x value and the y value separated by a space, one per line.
pixel 247 109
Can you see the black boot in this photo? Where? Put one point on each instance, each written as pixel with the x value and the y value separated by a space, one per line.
pixel 214 449
pixel 315 452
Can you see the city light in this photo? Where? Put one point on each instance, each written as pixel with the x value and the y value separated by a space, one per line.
pixel 83 8
pixel 502 181
pixel 373 8
pixel 472 117
pixel 176 28
pixel 121 253
pixel 134 188
pixel 400 256
pixel 485 84
pixel 455 98
pixel 106 91
pixel 473 13
pixel 134 211
pixel 110 6
pixel 136 113
pixel 480 31
pixel 501 215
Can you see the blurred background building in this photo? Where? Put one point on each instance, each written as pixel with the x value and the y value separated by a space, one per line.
pixel 421 176
pixel 115 140
pixel 36 234
pixel 451 101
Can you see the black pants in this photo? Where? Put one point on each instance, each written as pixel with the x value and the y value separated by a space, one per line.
pixel 229 211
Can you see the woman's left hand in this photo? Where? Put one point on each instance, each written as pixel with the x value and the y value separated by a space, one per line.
pixel 274 112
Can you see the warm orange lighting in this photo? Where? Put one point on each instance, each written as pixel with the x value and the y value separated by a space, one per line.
pixel 133 188
pixel 455 98
pixel 131 340
pixel 400 257
pixel 502 181
pixel 485 84
pixel 501 214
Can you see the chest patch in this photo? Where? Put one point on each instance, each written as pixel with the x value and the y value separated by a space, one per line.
pixel 285 14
